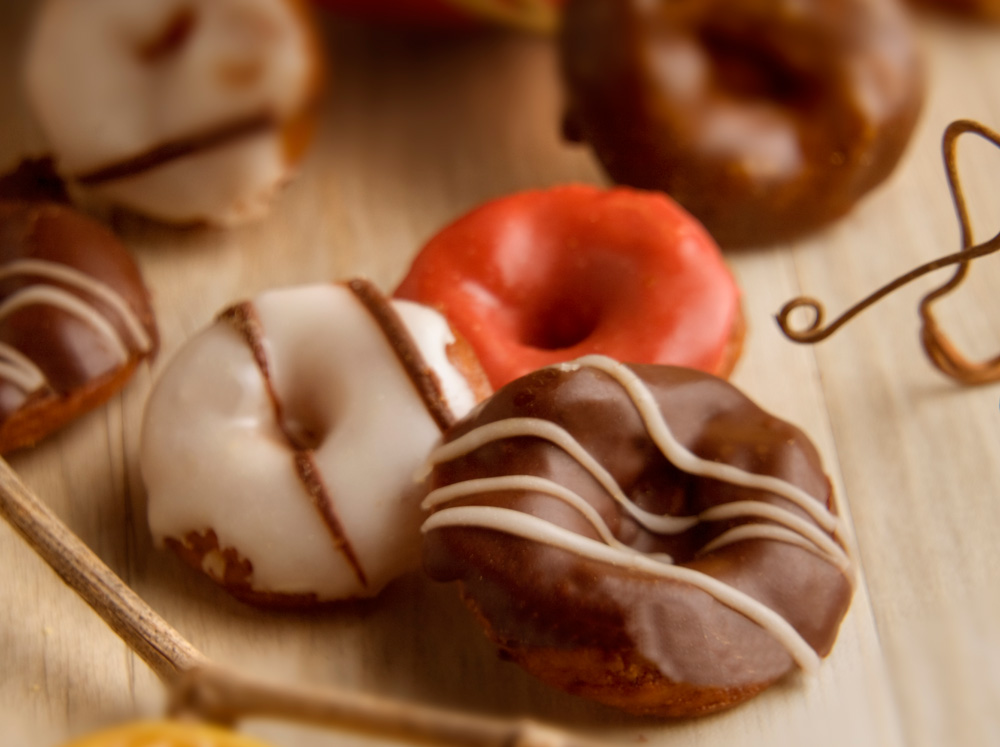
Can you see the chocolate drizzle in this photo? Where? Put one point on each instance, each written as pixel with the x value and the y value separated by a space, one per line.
pixel 244 319
pixel 181 147
pixel 424 380
pixel 305 466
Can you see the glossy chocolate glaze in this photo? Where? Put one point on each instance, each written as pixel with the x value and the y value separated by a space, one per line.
pixel 541 601
pixel 77 360
pixel 766 120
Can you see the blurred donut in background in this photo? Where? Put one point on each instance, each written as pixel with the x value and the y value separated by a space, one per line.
pixel 187 111
pixel 765 119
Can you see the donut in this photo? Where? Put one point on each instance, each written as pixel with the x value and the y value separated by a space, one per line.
pixel 165 734
pixel 188 111
pixel 541 277
pixel 280 445
pixel 767 120
pixel 644 536
pixel 75 319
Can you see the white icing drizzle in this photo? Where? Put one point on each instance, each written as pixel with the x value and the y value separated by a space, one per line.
pixel 545 429
pixel 686 460
pixel 535 484
pixel 796 524
pixel 21 371
pixel 764 532
pixel 539 530
pixel 791 528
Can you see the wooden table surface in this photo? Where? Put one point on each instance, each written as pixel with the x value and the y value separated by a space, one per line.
pixel 416 130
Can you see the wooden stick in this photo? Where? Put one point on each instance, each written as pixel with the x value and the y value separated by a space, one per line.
pixel 163 649
pixel 205 690
pixel 225 696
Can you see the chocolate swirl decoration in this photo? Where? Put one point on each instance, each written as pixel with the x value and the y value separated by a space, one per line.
pixel 943 353
pixel 821 534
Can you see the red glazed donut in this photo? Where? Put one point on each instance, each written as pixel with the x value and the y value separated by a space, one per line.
pixel 546 276
pixel 644 536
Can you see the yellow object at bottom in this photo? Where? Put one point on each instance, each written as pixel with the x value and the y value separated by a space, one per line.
pixel 165 734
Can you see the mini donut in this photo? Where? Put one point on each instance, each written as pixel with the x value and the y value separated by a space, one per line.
pixel 279 447
pixel 165 734
pixel 541 277
pixel 644 536
pixel 765 119
pixel 188 111
pixel 75 319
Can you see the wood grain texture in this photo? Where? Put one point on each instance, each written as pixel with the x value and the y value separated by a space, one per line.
pixel 416 130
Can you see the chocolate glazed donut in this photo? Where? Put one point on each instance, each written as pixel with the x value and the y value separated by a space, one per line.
pixel 644 536
pixel 765 119
pixel 75 318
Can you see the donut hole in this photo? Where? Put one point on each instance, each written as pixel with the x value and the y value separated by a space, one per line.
pixel 748 71
pixel 562 323
pixel 303 436
pixel 306 424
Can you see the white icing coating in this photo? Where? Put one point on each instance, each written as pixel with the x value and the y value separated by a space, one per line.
pixel 791 528
pixel 22 372
pixel 226 186
pixel 102 98
pixel 433 336
pixel 213 454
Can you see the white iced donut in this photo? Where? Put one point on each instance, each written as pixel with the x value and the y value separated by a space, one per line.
pixel 190 111
pixel 280 447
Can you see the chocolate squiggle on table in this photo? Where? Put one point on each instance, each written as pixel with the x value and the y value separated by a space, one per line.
pixel 943 353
